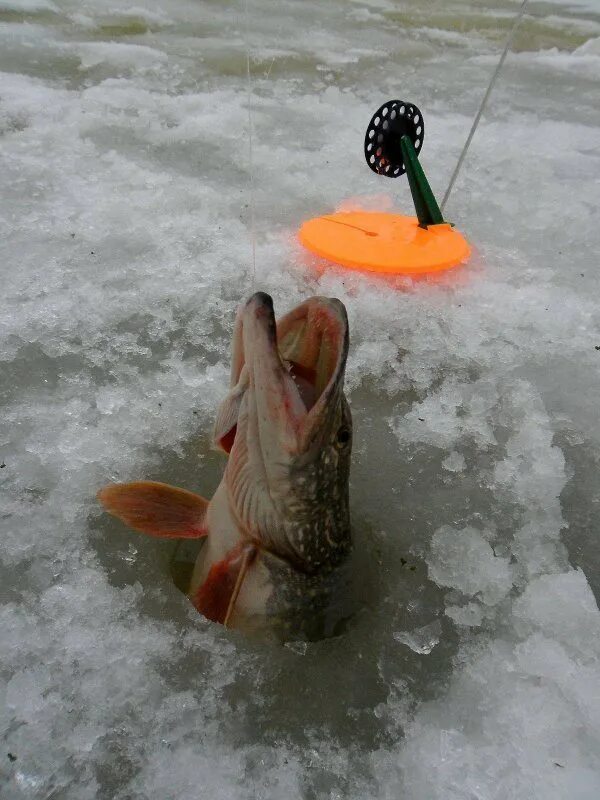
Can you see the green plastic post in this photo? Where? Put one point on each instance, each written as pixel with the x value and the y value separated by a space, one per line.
pixel 426 205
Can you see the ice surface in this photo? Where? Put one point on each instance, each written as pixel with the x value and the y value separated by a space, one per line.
pixel 455 462
pixel 421 640
pixel 465 561
pixel 28 5
pixel 125 248
pixel 470 614
pixel 132 56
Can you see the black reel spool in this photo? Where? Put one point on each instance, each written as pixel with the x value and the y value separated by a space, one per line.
pixel 389 124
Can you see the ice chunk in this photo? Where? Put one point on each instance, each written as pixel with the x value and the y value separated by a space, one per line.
pixel 545 658
pixel 464 560
pixel 453 412
pixel 538 548
pixel 119 55
pixel 470 615
pixel 455 462
pixel 25 692
pixel 589 48
pixel 300 648
pixel 421 640
pixel 534 468
pixel 560 606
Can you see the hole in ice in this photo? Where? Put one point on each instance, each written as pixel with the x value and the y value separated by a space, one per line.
pixel 392 594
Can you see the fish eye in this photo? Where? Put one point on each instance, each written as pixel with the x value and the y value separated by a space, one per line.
pixel 343 436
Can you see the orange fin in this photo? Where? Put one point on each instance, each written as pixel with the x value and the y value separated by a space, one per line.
pixel 217 595
pixel 228 413
pixel 157 509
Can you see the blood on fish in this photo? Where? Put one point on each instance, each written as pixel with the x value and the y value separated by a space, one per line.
pixel 213 598
pixel 227 441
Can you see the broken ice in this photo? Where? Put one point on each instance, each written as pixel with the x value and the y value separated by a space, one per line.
pixel 421 640
pixel 463 560
pixel 126 246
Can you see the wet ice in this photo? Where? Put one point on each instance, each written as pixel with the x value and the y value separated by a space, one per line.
pixel 125 251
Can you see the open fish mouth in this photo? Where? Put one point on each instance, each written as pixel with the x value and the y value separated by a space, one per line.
pixel 312 342
pixel 295 366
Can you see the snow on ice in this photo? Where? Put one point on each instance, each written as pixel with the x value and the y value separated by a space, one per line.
pixel 472 668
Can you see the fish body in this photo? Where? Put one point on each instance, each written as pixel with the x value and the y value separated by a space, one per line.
pixel 277 530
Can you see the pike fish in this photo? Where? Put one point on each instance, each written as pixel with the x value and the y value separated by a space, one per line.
pixel 277 530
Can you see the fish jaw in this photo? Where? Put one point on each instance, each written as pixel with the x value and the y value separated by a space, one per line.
pixel 288 470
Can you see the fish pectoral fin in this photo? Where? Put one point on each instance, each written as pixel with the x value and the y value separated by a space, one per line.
pixel 216 597
pixel 157 509
pixel 226 421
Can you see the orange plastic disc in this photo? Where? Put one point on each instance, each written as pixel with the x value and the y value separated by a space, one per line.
pixel 388 243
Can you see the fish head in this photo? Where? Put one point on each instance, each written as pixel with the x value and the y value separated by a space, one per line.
pixel 288 430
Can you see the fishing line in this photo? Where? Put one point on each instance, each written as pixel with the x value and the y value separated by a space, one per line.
pixel 488 91
pixel 250 148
